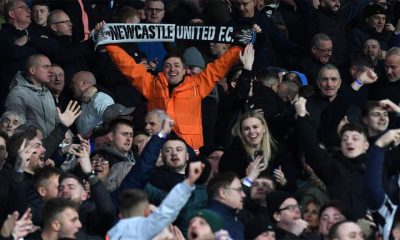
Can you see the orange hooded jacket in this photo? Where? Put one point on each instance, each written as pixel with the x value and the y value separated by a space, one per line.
pixel 184 103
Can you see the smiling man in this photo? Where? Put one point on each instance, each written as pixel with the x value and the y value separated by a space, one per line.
pixel 175 92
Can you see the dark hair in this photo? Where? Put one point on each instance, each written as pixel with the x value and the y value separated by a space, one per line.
pixel 368 107
pixel 41 3
pixel 126 12
pixel 44 174
pixel 334 204
pixel 64 176
pixel 4 136
pixel 353 127
pixel 119 121
pixel 24 131
pixel 175 53
pixel 55 206
pixel 362 61
pixel 219 181
pixel 333 231
pixel 130 199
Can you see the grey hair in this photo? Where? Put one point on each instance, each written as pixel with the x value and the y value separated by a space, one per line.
pixel 393 51
pixel 21 116
pixel 317 38
pixel 162 115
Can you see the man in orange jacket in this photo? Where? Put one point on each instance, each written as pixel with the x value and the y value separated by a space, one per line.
pixel 175 92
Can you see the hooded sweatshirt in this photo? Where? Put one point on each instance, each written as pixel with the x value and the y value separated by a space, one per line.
pixel 36 103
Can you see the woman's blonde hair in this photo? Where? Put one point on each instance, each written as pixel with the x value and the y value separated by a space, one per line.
pixel 267 143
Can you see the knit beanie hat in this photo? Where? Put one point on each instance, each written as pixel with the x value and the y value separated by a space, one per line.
pixel 193 57
pixel 257 226
pixel 213 219
pixel 275 200
pixel 373 10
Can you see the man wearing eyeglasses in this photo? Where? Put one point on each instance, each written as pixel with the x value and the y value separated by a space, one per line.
pixel 155 51
pixel 320 55
pixel 73 55
pixel 284 211
pixel 226 199
pixel 19 39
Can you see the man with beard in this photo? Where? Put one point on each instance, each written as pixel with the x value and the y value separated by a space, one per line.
pixel 372 49
pixel 175 156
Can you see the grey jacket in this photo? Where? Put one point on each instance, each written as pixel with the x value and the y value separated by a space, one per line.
pixel 36 103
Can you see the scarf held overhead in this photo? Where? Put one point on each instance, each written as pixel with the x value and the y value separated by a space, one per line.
pixel 122 33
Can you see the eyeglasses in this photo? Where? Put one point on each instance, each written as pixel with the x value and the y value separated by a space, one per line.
pixel 101 161
pixel 325 50
pixel 156 10
pixel 290 208
pixel 239 189
pixel 65 21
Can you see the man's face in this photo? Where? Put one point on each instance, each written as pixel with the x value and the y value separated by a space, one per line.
pixel 57 79
pixel 51 187
pixel 377 120
pixel 10 123
pixel 193 70
pixel 152 124
pixel 21 13
pixel 289 213
pixel 3 151
pixel 41 72
pixel 80 83
pixel 353 144
pixel 329 217
pixel 175 155
pixel 122 137
pixel 376 22
pixel 350 230
pixel 332 5
pixel 392 67
pixel 154 11
pixel 372 49
pixel 260 188
pixel 69 223
pixel 62 25
pixel 329 83
pixel 174 70
pixel 40 14
pixel 218 49
pixel 37 160
pixel 214 159
pixel 246 8
pixel 199 229
pixel 71 189
pixel 323 51
pixel 234 195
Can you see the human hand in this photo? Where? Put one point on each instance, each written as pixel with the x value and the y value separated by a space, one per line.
pixel 167 125
pixel 195 170
pixel 279 176
pixel 389 27
pixel 23 156
pixel 18 228
pixel 368 76
pixel 257 28
pixel 259 111
pixel 71 113
pixel 389 106
pixel 255 167
pixel 390 137
pixel 84 160
pixel 50 163
pixel 300 106
pixel 176 232
pixel 88 94
pixel 247 57
pixel 21 41
pixel 99 26
pixel 342 122
pixel 298 227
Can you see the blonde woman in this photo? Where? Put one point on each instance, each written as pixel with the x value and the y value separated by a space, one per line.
pixel 252 140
